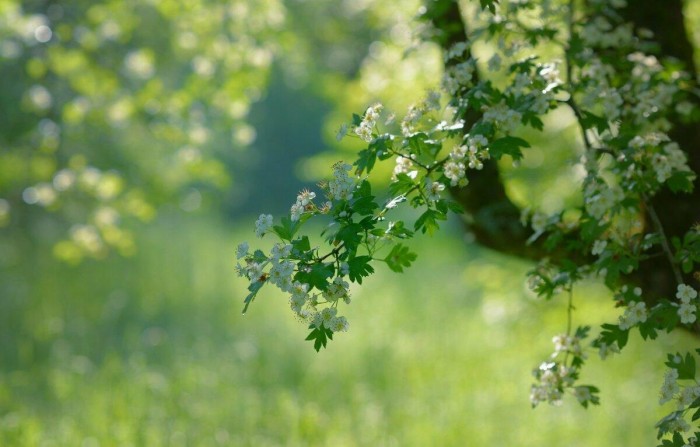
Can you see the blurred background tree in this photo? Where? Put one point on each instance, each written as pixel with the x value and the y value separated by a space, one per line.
pixel 183 113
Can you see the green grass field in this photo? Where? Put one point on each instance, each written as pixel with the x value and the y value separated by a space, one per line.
pixel 153 350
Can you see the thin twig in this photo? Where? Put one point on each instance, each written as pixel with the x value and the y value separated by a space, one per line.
pixel 664 239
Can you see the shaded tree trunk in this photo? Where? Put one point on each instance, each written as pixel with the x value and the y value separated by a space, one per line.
pixel 494 219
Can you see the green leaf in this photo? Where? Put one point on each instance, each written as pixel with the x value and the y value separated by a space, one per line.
pixel 686 369
pixel 253 288
pixel 316 275
pixel 687 265
pixel 591 121
pixel 582 332
pixel 647 330
pixel 421 144
pixel 613 334
pixel 665 424
pixel 364 203
pixel 400 257
pixel 350 235
pixel 259 256
pixel 302 244
pixel 288 228
pixel 359 268
pixel 365 206
pixel 665 315
pixel 696 415
pixel 455 207
pixel 380 147
pixel 533 120
pixel 681 181
pixel 364 189
pixel 524 65
pixel 319 336
pixel 489 4
pixel 398 229
pixel 402 185
pixel 507 146
pixel 427 222
pixel 365 161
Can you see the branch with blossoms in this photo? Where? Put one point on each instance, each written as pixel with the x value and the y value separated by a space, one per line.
pixel 622 99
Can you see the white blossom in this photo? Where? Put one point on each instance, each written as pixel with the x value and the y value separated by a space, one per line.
pixel 242 250
pixel 263 224
pixel 686 293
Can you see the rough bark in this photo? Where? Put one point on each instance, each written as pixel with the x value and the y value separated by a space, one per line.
pixel 491 216
pixel 677 212
pixel 494 219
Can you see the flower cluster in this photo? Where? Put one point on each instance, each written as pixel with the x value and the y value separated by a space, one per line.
pixel 458 76
pixel 287 268
pixel 404 165
pixel 681 386
pixel 635 313
pixel 600 198
pixel 263 224
pixel 418 111
pixel 303 204
pixel 471 153
pixel 567 344
pixel 502 117
pixel 687 297
pixel 553 378
pixel 558 375
pixel 342 185
pixel 365 129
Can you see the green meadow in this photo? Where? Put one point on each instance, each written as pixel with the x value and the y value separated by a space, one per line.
pixel 153 350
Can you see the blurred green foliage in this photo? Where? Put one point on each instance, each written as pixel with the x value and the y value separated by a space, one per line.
pixel 111 108
pixel 154 351
pixel 115 111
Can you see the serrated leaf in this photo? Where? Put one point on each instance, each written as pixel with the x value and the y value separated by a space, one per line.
pixel 664 424
pixel 402 185
pixel 696 415
pixel 507 146
pixel 421 144
pixel 613 334
pixel 489 4
pixel 591 121
pixel 259 256
pixel 681 181
pixel 359 267
pixel 302 244
pixel 647 330
pixel 686 370
pixel 350 235
pixel 427 222
pixel 315 275
pixel 365 161
pixel 400 257
pixel 287 229
pixel 455 207
pixel 319 336
pixel 398 229
pixel 253 288
pixel 364 205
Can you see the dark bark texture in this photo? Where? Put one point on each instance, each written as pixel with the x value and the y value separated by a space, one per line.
pixel 494 219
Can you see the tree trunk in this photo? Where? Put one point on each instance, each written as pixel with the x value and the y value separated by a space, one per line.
pixel 494 219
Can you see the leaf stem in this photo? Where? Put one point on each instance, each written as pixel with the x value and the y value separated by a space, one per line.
pixel 664 239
